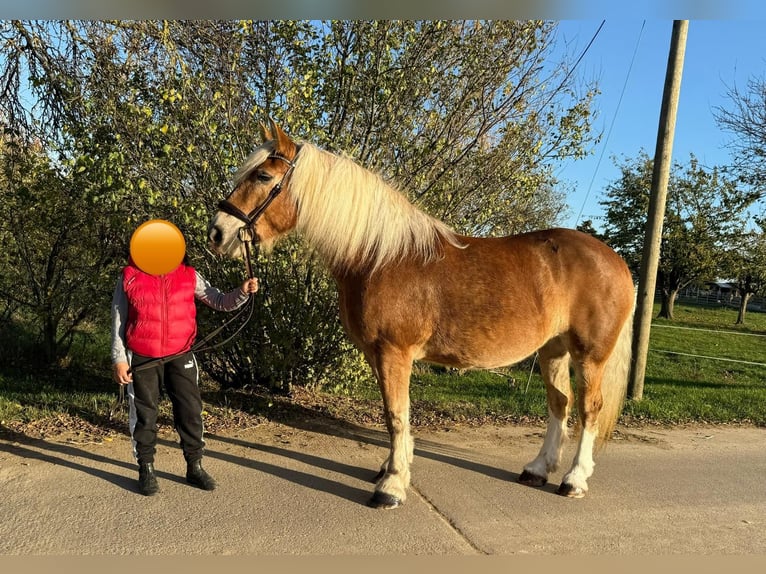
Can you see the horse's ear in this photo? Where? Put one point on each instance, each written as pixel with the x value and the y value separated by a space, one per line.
pixel 266 133
pixel 284 143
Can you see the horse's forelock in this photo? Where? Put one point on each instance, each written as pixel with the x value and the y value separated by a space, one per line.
pixel 255 159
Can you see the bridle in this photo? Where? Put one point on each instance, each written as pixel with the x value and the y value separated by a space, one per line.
pixel 246 234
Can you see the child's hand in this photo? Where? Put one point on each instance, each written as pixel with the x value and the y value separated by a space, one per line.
pixel 250 286
pixel 121 373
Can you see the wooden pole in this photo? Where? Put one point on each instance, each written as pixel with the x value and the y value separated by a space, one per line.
pixel 651 253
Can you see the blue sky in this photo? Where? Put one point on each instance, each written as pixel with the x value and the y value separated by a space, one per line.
pixel 720 54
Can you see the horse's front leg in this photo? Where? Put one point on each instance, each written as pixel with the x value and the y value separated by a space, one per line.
pixel 392 370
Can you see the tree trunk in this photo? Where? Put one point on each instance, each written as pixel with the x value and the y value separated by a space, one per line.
pixel 667 303
pixel 50 350
pixel 743 308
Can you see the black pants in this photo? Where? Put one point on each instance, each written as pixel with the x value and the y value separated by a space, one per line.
pixel 179 377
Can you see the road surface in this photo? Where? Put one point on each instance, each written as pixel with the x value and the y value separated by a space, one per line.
pixel 301 490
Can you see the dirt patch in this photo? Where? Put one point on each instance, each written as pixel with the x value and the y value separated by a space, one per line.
pixel 239 409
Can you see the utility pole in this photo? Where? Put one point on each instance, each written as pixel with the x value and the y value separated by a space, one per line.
pixel 647 281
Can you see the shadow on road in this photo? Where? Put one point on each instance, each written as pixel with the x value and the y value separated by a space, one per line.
pixel 39 449
pixel 289 414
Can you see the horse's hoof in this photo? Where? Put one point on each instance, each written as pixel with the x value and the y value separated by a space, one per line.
pixel 383 500
pixel 570 491
pixel 379 475
pixel 529 479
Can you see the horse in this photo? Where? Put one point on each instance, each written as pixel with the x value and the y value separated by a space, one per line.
pixel 412 289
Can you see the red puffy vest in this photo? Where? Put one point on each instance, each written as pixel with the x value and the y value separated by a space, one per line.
pixel 162 314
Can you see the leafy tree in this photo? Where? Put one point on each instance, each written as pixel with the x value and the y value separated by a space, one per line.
pixel 56 253
pixel 703 211
pixel 140 119
pixel 626 204
pixel 467 118
pixel 587 227
pixel 745 264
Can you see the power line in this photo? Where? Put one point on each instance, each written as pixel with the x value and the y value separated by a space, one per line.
pixel 585 51
pixel 614 118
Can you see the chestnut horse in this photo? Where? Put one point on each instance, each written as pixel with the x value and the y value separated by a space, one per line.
pixel 411 289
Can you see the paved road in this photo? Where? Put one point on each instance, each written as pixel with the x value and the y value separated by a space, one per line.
pixel 285 490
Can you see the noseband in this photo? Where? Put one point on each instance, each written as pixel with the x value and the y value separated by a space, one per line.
pixel 247 233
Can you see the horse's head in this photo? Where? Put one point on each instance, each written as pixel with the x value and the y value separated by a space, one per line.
pixel 259 202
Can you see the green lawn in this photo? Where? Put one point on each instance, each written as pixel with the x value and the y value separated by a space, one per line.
pixel 682 388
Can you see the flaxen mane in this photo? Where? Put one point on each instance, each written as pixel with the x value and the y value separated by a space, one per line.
pixel 350 215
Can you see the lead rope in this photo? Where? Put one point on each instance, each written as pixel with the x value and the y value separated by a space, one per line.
pixel 246 237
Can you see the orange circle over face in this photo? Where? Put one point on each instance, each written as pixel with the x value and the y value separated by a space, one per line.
pixel 157 247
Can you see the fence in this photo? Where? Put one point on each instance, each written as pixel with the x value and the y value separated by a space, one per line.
pixel 718 297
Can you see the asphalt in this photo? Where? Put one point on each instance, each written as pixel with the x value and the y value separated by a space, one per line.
pixel 290 491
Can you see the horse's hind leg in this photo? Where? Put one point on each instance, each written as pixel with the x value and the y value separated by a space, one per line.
pixel 554 365
pixel 392 370
pixel 589 374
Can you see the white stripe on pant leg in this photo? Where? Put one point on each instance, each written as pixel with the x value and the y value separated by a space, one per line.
pixel 196 366
pixel 132 417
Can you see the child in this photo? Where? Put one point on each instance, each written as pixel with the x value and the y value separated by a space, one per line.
pixel 153 317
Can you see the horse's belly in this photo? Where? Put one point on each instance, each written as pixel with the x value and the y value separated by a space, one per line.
pixel 476 355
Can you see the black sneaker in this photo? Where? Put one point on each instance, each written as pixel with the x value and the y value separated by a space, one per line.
pixel 147 480
pixel 197 476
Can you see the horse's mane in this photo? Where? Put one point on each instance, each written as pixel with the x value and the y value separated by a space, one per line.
pixel 351 216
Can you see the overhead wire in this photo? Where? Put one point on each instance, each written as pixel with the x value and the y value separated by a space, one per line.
pixel 614 118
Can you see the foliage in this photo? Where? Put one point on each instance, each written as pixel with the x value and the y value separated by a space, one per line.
pixel 54 257
pixel 122 121
pixel 626 205
pixel 745 265
pixel 704 211
pixel 295 337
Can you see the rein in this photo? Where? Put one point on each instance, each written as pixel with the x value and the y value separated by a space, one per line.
pixel 246 236
pixel 200 346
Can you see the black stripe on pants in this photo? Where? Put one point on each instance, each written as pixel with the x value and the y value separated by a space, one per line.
pixel 179 377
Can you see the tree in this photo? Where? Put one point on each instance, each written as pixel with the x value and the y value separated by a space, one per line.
pixel 587 227
pixel 141 119
pixel 703 211
pixel 746 119
pixel 745 264
pixel 54 257
pixel 626 203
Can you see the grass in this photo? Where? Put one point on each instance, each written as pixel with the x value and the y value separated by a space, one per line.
pixel 678 388
pixel 683 388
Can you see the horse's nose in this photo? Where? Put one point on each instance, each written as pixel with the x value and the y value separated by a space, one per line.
pixel 215 235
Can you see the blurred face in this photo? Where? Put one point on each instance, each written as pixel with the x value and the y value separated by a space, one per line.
pixel 157 247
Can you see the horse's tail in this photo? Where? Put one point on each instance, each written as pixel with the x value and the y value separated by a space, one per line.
pixel 614 384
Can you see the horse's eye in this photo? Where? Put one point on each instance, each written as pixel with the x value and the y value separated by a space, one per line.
pixel 262 176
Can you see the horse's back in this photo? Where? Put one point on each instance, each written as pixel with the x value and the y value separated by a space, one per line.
pixel 551 263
